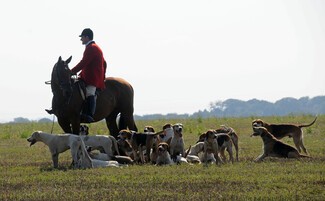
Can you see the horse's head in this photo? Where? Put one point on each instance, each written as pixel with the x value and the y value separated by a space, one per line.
pixel 61 78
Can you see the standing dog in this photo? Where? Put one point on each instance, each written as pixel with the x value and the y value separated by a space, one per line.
pixel 102 142
pixel 57 144
pixel 232 133
pixel 177 146
pixel 137 140
pixel 274 147
pixel 282 130
pixel 224 144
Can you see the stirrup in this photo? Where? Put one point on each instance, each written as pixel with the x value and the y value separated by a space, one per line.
pixel 50 111
pixel 86 118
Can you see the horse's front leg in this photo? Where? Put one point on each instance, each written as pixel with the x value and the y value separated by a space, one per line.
pixel 65 125
pixel 75 123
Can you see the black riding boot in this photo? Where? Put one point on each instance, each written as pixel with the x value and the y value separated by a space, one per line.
pixel 88 115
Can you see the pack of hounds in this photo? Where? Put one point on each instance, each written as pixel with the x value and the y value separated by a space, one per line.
pixel 167 147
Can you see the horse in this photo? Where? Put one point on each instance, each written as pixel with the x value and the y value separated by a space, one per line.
pixel 67 103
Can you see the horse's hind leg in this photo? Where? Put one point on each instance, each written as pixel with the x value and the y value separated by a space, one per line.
pixel 111 125
pixel 128 119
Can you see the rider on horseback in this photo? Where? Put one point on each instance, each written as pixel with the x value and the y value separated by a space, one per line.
pixel 93 69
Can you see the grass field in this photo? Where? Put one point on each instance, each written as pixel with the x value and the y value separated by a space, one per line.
pixel 26 173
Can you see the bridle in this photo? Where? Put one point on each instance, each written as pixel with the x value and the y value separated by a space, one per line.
pixel 61 76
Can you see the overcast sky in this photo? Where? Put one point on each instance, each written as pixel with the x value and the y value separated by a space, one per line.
pixel 179 55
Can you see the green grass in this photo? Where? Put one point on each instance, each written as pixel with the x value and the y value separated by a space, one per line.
pixel 26 173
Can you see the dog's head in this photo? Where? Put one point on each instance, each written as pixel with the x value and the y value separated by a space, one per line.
pixel 124 146
pixel 178 129
pixel 163 147
pixel 201 137
pixel 83 130
pixel 259 131
pixel 210 136
pixel 167 130
pixel 149 129
pixel 225 129
pixel 258 123
pixel 125 134
pixel 34 138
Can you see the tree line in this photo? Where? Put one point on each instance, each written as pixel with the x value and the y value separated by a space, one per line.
pixel 237 108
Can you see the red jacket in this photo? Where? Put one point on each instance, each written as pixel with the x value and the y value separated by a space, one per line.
pixel 92 66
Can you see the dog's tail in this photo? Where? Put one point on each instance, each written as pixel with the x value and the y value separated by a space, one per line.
pixel 115 145
pixel 234 140
pixel 307 125
pixel 188 151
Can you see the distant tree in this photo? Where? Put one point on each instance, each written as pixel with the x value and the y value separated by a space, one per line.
pixel 44 120
pixel 21 120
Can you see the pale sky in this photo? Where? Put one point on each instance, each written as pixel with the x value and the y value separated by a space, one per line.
pixel 179 55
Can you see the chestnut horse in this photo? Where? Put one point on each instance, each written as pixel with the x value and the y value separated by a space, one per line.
pixel 67 102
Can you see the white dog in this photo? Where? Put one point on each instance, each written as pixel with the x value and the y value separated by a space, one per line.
pixel 177 143
pixel 163 157
pixel 102 142
pixel 85 161
pixel 194 151
pixel 57 144
pixel 168 133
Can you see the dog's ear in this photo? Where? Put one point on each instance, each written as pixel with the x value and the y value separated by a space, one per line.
pixel 168 141
pixel 208 134
pixel 167 146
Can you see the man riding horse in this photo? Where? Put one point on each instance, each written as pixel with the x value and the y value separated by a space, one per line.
pixel 93 69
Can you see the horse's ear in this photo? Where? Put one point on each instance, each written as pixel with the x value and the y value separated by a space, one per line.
pixel 68 60
pixel 60 59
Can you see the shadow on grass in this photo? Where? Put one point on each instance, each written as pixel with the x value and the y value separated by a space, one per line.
pixel 49 169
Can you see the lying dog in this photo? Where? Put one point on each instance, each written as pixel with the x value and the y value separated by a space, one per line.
pixel 282 130
pixel 163 157
pixel 57 144
pixel 177 146
pixel 211 146
pixel 274 147
pixel 85 161
pixel 194 151
pixel 104 157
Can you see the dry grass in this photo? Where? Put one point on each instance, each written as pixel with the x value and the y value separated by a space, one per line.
pixel 26 173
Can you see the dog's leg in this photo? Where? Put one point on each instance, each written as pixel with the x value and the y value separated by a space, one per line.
pixel 55 159
pixel 222 153
pixel 235 141
pixel 218 159
pixel 297 141
pixel 205 158
pixel 229 150
pixel 300 144
pixel 260 158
